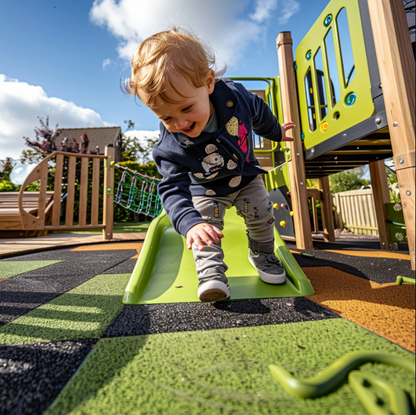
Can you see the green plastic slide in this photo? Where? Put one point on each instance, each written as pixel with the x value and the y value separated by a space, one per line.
pixel 165 270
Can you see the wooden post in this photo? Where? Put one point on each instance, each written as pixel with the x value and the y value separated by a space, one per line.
pixel 326 210
pixel 108 209
pixel 397 73
pixel 381 197
pixel 314 215
pixel 297 175
pixel 56 207
pixel 339 224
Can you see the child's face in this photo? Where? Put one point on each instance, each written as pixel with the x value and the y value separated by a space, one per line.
pixel 191 109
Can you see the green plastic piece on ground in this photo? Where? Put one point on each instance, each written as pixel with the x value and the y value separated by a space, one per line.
pixel 400 280
pixel 399 402
pixel 333 375
pixel 165 270
pixel 307 255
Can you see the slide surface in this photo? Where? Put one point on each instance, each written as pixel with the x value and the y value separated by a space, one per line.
pixel 165 270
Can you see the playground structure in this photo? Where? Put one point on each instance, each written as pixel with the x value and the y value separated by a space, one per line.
pixel 372 118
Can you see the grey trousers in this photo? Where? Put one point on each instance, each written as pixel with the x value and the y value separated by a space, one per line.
pixel 252 204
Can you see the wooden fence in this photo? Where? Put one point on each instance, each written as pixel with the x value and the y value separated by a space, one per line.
pixel 355 210
pixel 79 179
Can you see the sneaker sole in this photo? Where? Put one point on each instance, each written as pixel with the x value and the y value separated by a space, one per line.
pixel 273 279
pixel 212 295
pixel 212 291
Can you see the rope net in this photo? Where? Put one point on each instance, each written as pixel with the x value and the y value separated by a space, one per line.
pixel 137 193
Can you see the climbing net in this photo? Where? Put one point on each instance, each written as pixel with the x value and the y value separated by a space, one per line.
pixel 137 192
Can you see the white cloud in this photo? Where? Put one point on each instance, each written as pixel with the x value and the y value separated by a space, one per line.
pixel 289 8
pixel 227 25
pixel 142 135
pixel 263 10
pixel 21 104
pixel 107 63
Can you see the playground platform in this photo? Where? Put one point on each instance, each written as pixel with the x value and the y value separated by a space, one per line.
pixel 18 246
pixel 68 345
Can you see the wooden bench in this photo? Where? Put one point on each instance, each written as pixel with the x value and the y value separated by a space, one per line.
pixel 10 218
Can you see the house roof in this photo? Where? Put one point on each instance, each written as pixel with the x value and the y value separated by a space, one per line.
pixel 100 136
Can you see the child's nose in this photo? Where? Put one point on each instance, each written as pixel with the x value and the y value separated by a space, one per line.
pixel 181 123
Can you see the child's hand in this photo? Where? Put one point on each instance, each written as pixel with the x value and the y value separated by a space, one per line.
pixel 203 232
pixel 286 127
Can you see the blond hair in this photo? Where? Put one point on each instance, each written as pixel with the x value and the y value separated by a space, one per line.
pixel 163 54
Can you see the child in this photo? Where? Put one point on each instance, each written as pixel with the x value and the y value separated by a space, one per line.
pixel 205 154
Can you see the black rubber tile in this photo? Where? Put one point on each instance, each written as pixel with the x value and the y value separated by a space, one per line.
pixel 169 318
pixel 125 267
pixel 56 254
pixel 380 270
pixel 32 376
pixel 20 294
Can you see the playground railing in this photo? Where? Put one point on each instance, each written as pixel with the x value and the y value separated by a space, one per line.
pixel 83 192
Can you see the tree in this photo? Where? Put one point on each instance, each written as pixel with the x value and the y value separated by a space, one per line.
pixel 45 143
pixel 348 180
pixel 134 150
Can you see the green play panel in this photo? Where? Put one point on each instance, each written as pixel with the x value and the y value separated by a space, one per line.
pixel 165 270
pixel 82 313
pixel 226 372
pixel 10 269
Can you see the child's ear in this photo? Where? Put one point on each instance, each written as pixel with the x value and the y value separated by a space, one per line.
pixel 210 81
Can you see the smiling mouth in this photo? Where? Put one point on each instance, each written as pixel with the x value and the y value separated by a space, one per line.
pixel 190 129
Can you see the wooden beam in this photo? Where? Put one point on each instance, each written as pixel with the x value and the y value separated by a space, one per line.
pixel 315 193
pixel 381 197
pixel 108 209
pixel 326 210
pixel 397 73
pixel 297 175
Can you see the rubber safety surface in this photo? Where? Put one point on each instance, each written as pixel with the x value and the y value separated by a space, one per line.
pixel 222 371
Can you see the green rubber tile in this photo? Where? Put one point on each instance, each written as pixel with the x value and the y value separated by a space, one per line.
pixel 84 312
pixel 10 269
pixel 223 371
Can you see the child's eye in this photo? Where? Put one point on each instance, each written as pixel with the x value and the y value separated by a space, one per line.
pixel 166 119
pixel 187 109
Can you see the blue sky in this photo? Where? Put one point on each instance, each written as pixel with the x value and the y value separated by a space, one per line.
pixel 65 59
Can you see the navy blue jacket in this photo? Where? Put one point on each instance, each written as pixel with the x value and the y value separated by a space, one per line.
pixel 213 164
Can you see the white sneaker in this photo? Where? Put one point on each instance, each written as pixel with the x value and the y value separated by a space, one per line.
pixel 212 291
pixel 268 266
